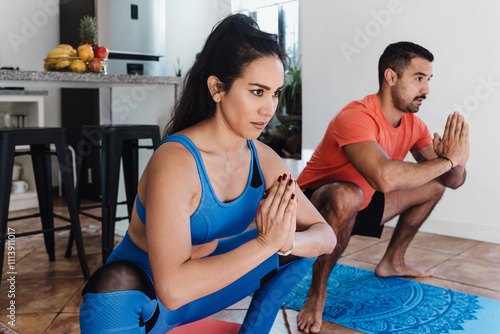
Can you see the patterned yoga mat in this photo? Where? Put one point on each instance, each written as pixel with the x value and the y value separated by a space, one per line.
pixel 362 301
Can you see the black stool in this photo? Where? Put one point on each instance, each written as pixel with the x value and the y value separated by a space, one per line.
pixel 115 142
pixel 39 140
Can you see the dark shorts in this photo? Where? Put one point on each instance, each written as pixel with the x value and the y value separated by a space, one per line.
pixel 368 221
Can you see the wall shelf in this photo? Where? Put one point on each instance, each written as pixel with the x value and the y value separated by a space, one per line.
pixel 31 104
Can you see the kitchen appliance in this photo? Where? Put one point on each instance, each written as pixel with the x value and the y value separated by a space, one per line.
pixel 134 31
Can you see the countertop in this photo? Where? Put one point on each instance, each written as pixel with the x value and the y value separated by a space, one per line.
pixel 86 78
pixel 23 92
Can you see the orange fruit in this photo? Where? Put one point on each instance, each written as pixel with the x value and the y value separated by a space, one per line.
pixel 78 65
pixel 82 46
pixel 86 53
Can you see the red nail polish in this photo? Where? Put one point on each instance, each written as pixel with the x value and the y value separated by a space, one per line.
pixel 279 178
pixel 290 182
pixel 293 196
pixel 284 176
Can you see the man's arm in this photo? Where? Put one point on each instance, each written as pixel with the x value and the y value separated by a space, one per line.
pixel 386 175
pixel 453 179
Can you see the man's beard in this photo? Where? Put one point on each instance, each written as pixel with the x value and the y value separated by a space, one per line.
pixel 400 104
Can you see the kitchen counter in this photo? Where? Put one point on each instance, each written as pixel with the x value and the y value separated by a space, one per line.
pixel 86 78
pixel 22 92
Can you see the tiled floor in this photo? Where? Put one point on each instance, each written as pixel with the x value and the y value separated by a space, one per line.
pixel 48 294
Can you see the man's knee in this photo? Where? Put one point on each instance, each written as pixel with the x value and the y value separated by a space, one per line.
pixel 437 191
pixel 339 196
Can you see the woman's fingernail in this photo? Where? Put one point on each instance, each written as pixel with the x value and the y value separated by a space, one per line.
pixel 290 182
pixel 284 176
pixel 293 196
pixel 279 178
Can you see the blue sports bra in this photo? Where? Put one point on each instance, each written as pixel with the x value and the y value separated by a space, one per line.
pixel 214 219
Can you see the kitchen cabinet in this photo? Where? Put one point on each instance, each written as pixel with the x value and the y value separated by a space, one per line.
pixel 28 106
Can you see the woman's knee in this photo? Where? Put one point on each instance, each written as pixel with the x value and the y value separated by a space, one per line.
pixel 120 276
pixel 118 296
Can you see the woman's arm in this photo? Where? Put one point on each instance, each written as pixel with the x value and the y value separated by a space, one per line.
pixel 171 188
pixel 313 235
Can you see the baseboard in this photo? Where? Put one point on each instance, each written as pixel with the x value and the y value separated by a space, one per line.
pixel 459 230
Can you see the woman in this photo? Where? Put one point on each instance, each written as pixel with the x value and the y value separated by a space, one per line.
pixel 207 181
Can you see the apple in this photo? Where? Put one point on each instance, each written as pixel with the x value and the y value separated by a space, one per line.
pixel 95 65
pixel 101 52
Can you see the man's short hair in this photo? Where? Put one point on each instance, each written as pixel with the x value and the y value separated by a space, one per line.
pixel 398 56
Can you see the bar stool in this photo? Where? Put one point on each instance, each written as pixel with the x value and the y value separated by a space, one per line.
pixel 116 142
pixel 39 140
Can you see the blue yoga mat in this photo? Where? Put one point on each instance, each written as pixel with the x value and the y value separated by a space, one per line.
pixel 362 301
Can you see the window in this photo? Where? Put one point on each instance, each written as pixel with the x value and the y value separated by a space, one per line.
pixel 281 17
pixel 277 17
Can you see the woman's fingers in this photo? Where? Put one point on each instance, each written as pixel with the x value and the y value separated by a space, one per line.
pixel 277 211
pixel 280 196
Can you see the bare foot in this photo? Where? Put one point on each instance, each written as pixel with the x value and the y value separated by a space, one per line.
pixel 309 319
pixel 385 269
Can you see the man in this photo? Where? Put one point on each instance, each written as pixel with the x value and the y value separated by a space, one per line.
pixel 357 177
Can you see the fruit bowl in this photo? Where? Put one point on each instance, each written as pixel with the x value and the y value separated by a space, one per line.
pixel 76 64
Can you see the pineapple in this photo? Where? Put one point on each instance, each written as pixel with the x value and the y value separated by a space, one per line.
pixel 88 31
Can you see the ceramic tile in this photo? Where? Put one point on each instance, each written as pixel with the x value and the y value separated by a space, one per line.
pixel 474 272
pixel 484 251
pixel 357 243
pixel 470 289
pixel 65 323
pixel 37 264
pixel 32 323
pixel 6 330
pixel 416 257
pixel 39 295
pixel 237 316
pixel 23 247
pixel 241 305
pixel 358 264
pixel 387 233
pixel 440 243
pixel 75 301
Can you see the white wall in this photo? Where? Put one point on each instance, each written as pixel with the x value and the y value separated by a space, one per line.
pixel 463 37
pixel 189 22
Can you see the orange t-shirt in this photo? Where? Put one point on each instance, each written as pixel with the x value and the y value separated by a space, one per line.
pixel 357 122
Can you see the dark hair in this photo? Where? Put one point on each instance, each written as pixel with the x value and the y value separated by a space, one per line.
pixel 398 56
pixel 232 45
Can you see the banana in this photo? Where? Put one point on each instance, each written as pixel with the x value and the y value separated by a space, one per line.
pixel 62 63
pixel 59 53
pixel 66 47
pixel 69 48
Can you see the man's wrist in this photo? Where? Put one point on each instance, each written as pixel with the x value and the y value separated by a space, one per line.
pixel 449 160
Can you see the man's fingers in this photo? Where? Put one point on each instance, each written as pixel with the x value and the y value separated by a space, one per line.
pixel 436 140
pixel 464 135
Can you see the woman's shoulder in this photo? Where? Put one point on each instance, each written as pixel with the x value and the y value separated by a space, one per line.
pixel 271 164
pixel 172 156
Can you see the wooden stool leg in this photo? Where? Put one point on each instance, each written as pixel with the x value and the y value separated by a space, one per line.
pixel 130 154
pixel 110 155
pixel 7 153
pixel 40 156
pixel 71 201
